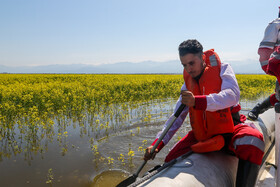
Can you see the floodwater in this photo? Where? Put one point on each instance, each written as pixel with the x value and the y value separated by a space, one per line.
pixel 81 154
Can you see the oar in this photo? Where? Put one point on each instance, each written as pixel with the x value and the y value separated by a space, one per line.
pixel 132 178
pixel 165 165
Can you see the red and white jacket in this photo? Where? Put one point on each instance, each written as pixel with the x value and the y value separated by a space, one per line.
pixel 269 43
pixel 227 97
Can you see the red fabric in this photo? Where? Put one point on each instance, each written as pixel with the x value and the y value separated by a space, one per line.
pixel 272 99
pixel 182 147
pixel 265 68
pixel 200 102
pixel 215 143
pixel 236 108
pixel 264 55
pixel 246 152
pixel 218 122
pixel 249 153
pixel 242 118
pixel 273 67
pixel 160 145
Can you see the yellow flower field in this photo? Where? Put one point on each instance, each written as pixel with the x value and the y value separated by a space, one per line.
pixel 70 95
pixel 253 86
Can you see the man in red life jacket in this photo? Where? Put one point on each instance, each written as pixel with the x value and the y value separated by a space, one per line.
pixel 269 51
pixel 211 94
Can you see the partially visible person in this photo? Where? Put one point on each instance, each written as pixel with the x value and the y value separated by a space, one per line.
pixel 269 51
pixel 211 94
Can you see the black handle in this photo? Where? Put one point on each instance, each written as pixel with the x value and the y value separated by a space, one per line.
pixel 179 111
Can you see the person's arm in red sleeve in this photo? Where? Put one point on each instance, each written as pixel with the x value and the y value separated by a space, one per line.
pixel 264 57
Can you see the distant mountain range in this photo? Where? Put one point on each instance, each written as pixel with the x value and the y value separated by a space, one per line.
pixel 146 67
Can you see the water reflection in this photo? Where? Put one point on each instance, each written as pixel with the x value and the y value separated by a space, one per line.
pixel 109 178
pixel 71 149
pixel 67 149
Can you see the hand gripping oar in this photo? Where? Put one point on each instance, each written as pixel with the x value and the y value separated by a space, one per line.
pixel 132 178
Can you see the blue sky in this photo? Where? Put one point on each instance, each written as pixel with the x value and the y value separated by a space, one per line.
pixel 45 32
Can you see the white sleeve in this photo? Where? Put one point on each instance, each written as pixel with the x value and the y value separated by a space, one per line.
pixel 177 123
pixel 227 97
pixel 229 94
pixel 271 35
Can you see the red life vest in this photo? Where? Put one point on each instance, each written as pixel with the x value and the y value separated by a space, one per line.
pixel 207 124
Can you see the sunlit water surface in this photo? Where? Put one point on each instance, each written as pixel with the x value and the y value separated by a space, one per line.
pixel 81 153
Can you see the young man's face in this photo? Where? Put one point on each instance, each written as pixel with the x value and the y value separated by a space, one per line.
pixel 193 64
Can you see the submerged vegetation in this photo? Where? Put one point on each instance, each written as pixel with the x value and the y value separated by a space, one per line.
pixel 36 109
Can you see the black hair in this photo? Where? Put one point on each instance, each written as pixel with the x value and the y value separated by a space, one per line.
pixel 190 46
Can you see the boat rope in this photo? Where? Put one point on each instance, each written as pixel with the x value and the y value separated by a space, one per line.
pixel 268 152
pixel 270 164
pixel 165 165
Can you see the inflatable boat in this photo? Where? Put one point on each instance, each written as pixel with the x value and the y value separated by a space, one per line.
pixel 210 169
pixel 277 145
